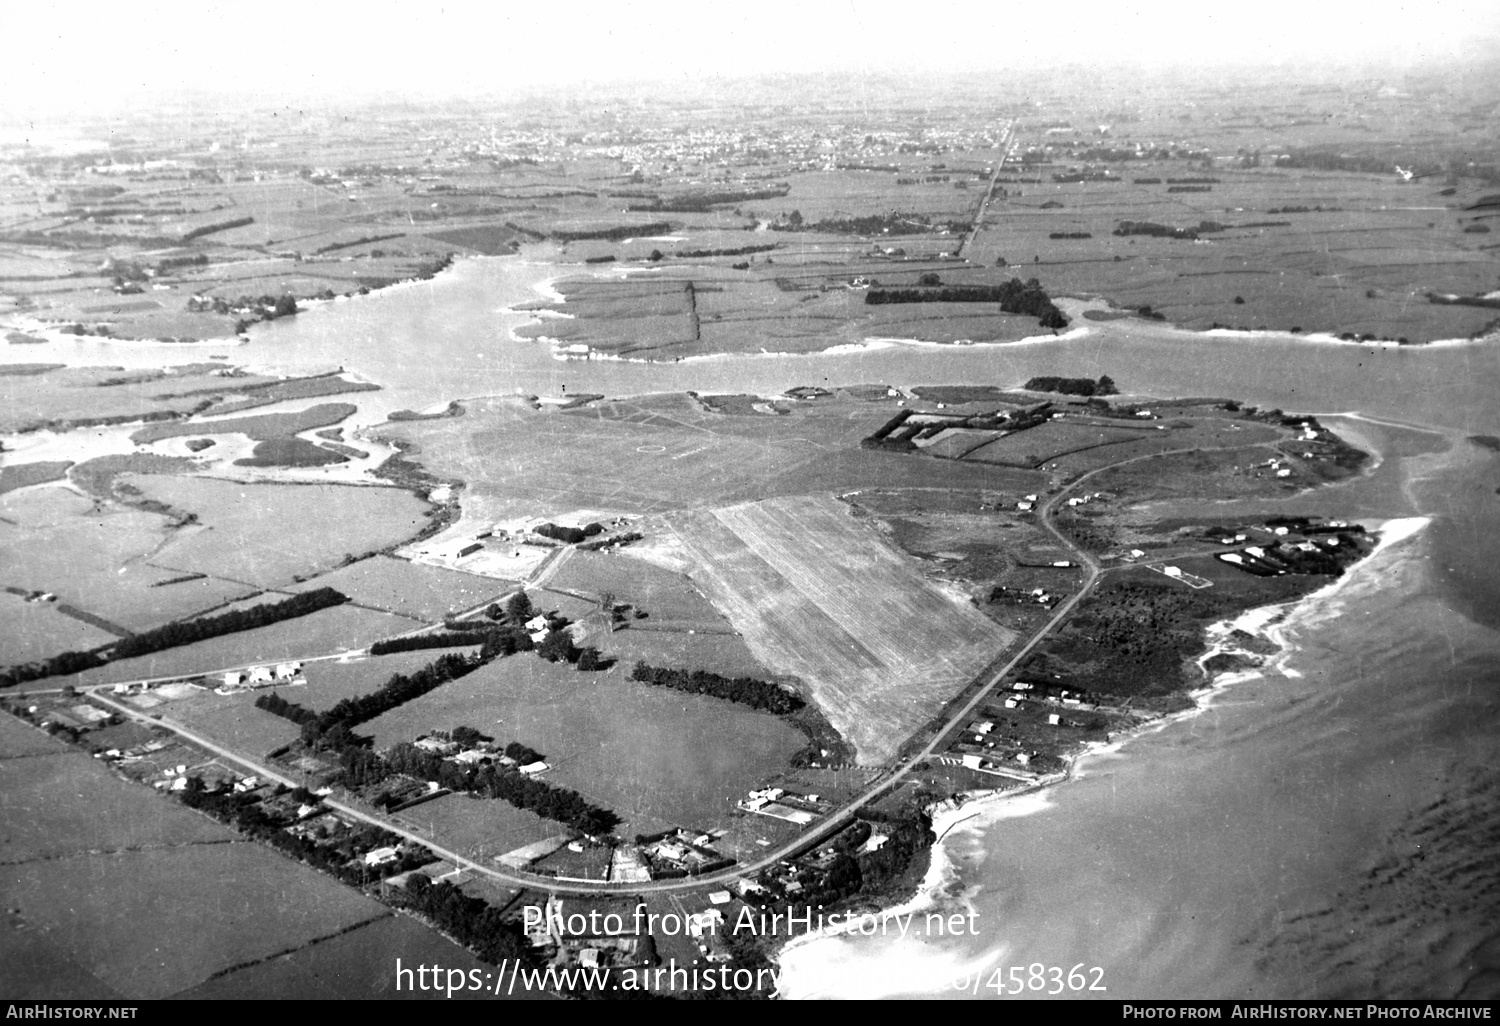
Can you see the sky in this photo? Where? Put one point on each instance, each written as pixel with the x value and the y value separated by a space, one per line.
pixel 68 55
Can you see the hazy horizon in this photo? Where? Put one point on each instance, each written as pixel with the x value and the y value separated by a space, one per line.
pixel 78 59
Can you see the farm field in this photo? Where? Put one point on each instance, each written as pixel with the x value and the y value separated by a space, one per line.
pixel 34 967
pixel 654 756
pixel 1355 253
pixel 18 738
pixel 336 629
pixel 480 828
pixel 684 313
pixel 819 596
pixel 416 590
pixel 253 532
pixel 97 559
pixel 61 804
pixel 352 966
pixel 232 721
pixel 36 630
pixel 152 923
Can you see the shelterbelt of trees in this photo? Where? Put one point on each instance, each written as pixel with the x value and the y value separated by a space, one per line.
pixel 365 768
pixel 173 634
pixel 757 694
pixel 1014 296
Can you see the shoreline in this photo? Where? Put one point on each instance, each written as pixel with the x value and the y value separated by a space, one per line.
pixel 939 885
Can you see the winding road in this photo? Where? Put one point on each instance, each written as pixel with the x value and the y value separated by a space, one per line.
pixel 824 828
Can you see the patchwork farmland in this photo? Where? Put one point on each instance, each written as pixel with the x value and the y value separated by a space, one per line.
pixel 818 595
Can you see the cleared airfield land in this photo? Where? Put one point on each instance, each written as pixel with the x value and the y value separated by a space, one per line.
pixel 820 596
pixel 661 452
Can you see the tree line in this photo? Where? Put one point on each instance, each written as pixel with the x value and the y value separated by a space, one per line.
pixel 1073 386
pixel 220 226
pixel 416 642
pixel 173 634
pixel 704 202
pixel 1014 296
pixel 615 234
pixel 757 694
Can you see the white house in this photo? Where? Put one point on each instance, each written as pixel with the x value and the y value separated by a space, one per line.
pixel 233 679
pixel 286 670
pixel 260 675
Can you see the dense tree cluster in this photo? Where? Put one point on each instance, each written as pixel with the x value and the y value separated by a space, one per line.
pixel 362 240
pixel 412 643
pixel 220 226
pixel 626 231
pixel 338 857
pixel 571 535
pixel 269 307
pixel 58 666
pixel 1014 297
pixel 704 202
pixel 1073 386
pixel 757 694
pixel 734 251
pixel 871 224
pixel 506 783
pixel 473 922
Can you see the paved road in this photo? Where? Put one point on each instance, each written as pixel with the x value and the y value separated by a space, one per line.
pixel 989 192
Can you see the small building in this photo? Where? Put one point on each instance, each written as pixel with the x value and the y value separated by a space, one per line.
pixel 380 856
pixel 1172 571
pixel 260 675
pixel 1054 719
pixel 1011 703
pixel 467 549
pixel 719 898
pixel 285 671
pixel 232 679
pixel 533 768
pixel 971 762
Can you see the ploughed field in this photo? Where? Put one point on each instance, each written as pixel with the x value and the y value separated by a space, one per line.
pixel 818 595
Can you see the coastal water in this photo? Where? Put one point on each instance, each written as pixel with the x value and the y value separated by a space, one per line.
pixel 1319 829
pixel 1324 828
